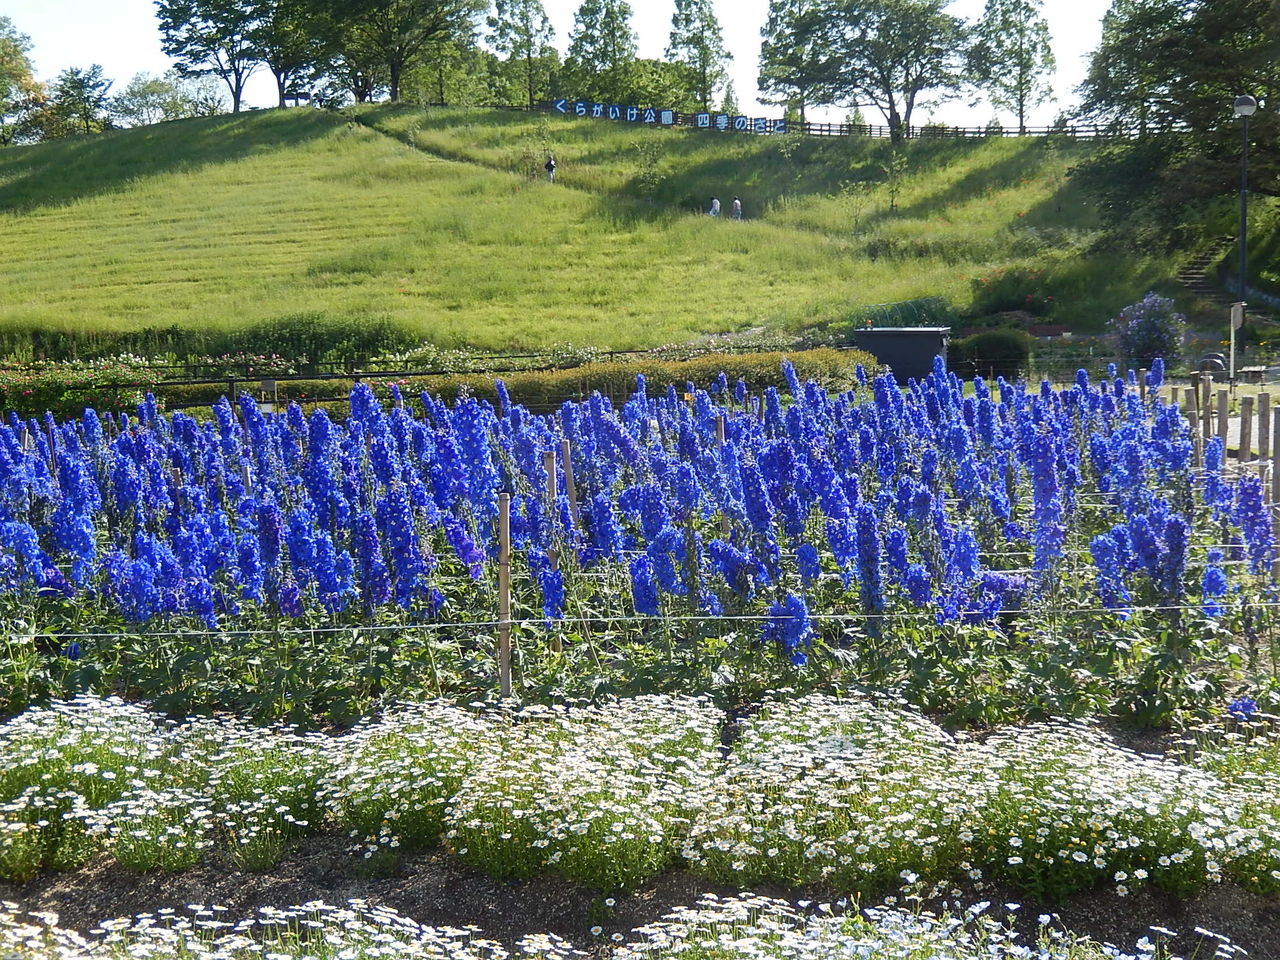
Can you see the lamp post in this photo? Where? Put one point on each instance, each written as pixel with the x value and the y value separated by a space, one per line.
pixel 1245 107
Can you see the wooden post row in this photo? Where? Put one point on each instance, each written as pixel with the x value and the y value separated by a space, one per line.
pixel 504 594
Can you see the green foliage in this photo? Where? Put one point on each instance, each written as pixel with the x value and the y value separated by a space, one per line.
pixel 792 55
pixel 990 354
pixel 1024 289
pixel 602 49
pixel 148 99
pixel 211 37
pixel 18 86
pixel 67 389
pixel 522 31
pixel 78 102
pixel 697 45
pixel 1012 56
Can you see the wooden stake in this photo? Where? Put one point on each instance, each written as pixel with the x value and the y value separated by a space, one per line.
pixel 177 488
pixel 247 478
pixel 724 520
pixel 1189 402
pixel 1206 404
pixel 1142 384
pixel 1224 419
pixel 1264 426
pixel 1245 453
pixel 571 491
pixel 504 594
pixel 553 498
pixel 1275 461
pixel 53 454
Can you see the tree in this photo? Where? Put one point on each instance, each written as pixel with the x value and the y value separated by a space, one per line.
pixel 79 100
pixel 696 43
pixel 148 99
pixel 522 31
pixel 1129 78
pixel 793 60
pixel 602 50
pixel 214 37
pixel 18 87
pixel 401 32
pixel 1012 56
pixel 294 40
pixel 730 102
pixel 891 54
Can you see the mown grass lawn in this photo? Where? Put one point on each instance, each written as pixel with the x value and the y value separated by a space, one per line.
pixel 431 218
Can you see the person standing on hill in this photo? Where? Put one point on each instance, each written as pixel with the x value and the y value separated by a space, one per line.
pixel 736 209
pixel 550 167
pixel 715 207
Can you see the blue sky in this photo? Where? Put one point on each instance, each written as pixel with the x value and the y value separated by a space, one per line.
pixel 121 35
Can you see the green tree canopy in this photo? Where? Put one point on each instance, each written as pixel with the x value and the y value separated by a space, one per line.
pixel 793 58
pixel 78 99
pixel 295 40
pixel 400 33
pixel 148 99
pixel 522 32
pixel 697 44
pixel 1012 56
pixel 602 50
pixel 19 91
pixel 214 37
pixel 892 55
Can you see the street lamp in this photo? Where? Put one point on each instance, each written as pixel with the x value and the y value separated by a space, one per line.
pixel 1245 107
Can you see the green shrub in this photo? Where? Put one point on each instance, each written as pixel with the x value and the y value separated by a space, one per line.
pixel 990 354
pixel 832 368
pixel 300 336
pixel 65 390
pixel 1015 288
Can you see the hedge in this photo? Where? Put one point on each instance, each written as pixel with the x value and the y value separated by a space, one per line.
pixel 542 389
pixel 993 353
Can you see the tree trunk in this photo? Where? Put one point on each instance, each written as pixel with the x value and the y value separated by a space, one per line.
pixel 396 66
pixel 895 125
pixel 281 83
pixel 237 93
pixel 528 64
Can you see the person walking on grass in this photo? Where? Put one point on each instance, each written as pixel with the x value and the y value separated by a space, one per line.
pixel 715 207
pixel 550 167
pixel 737 209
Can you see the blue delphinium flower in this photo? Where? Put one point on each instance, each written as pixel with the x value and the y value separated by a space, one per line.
pixel 644 588
pixel 1243 708
pixel 1214 586
pixel 1110 556
pixel 464 546
pixel 790 628
pixel 1254 520
pixel 869 575
pixel 918 584
pixel 808 564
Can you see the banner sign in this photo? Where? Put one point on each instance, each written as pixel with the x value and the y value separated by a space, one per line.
pixel 668 118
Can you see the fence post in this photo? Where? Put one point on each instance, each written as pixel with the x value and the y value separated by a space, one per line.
pixel 247 478
pixel 1275 461
pixel 1224 419
pixel 1189 400
pixel 724 520
pixel 1264 426
pixel 504 594
pixel 553 496
pixel 569 488
pixel 53 454
pixel 1206 404
pixel 1245 453
pixel 1142 384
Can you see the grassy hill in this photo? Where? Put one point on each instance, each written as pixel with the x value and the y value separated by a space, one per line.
pixel 433 220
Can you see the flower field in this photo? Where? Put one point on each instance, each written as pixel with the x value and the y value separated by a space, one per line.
pixel 991 551
pixel 746 927
pixel 856 796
